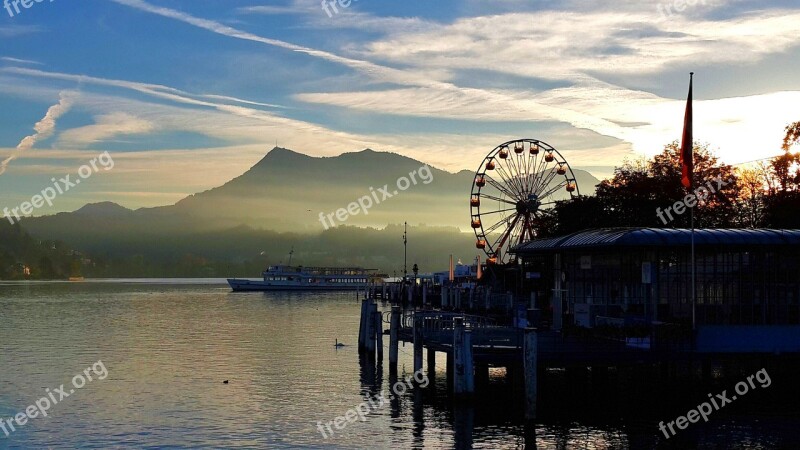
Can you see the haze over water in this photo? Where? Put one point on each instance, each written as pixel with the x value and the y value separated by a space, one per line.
pixel 168 346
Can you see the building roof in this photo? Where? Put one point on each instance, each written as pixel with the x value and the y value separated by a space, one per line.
pixel 663 237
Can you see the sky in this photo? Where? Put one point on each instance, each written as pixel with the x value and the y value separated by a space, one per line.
pixel 185 95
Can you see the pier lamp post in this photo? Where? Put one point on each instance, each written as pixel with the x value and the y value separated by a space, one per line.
pixel 405 252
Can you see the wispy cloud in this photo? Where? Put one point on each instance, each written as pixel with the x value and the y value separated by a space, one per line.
pixel 106 127
pixel 273 10
pixel 9 59
pixel 43 129
pixel 7 31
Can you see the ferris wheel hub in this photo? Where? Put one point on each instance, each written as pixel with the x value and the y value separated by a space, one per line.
pixel 529 205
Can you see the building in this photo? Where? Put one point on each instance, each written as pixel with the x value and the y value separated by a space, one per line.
pixel 747 284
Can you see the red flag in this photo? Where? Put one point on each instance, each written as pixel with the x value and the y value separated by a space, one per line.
pixel 687 160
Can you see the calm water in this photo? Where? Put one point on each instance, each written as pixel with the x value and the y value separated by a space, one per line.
pixel 167 348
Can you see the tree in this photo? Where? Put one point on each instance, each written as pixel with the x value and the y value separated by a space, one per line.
pixel 792 135
pixel 640 188
pixel 785 170
pixel 753 183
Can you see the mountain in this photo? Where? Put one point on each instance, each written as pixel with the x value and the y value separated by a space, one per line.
pixel 280 200
pixel 287 191
pixel 104 209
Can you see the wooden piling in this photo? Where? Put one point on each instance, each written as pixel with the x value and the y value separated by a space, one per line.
pixel 369 338
pixel 417 344
pixel 464 382
pixel 394 328
pixel 431 354
pixel 378 318
pixel 450 371
pixel 362 327
pixel 531 351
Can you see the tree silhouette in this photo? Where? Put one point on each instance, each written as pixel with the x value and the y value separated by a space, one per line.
pixel 792 135
pixel 638 188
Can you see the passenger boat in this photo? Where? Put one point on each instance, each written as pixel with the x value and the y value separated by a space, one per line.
pixel 299 278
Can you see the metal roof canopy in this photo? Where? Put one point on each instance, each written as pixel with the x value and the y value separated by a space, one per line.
pixel 662 237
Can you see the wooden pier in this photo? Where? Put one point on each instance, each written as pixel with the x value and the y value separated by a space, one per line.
pixel 478 330
pixel 473 343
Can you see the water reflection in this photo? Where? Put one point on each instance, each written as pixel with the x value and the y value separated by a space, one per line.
pixel 168 348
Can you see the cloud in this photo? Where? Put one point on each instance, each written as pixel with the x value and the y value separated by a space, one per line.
pixel 586 44
pixel 375 71
pixel 106 127
pixel 272 10
pixel 7 31
pixel 43 129
pixel 20 61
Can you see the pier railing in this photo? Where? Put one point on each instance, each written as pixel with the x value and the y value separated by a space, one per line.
pixel 440 321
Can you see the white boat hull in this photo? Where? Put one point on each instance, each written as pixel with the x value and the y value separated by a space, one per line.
pixel 239 285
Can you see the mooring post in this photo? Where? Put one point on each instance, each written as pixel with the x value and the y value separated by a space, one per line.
pixel 464 382
pixel 450 370
pixel 417 343
pixel 378 318
pixel 394 328
pixel 531 351
pixel 431 353
pixel 369 339
pixel 425 294
pixel 458 357
pixel 362 327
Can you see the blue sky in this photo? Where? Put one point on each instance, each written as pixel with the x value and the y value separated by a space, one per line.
pixel 186 95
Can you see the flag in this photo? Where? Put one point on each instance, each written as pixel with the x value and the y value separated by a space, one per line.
pixel 687 161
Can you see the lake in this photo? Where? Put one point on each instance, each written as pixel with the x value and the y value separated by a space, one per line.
pixel 163 349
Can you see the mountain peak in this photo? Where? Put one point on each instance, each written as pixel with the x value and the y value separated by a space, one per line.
pixel 103 209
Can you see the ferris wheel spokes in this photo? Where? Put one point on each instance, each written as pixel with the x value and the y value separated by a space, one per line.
pixel 525 174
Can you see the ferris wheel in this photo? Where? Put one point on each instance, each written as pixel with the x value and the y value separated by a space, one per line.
pixel 514 183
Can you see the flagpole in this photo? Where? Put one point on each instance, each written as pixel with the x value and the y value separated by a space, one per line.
pixel 694 296
pixel 691 213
